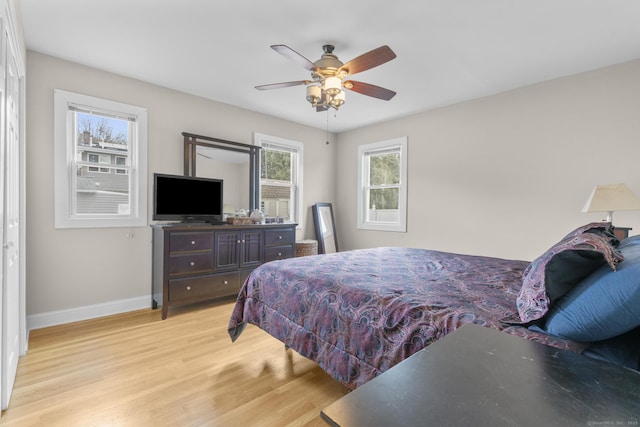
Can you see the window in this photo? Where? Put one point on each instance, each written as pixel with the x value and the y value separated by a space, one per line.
pixel 100 162
pixel 382 183
pixel 280 177
pixel 121 161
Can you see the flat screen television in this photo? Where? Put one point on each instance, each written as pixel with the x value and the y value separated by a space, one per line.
pixel 187 198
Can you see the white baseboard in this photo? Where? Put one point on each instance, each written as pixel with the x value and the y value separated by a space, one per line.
pixel 59 317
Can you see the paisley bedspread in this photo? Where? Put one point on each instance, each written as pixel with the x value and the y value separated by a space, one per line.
pixel 358 313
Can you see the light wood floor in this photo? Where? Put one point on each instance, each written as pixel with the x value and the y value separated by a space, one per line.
pixel 134 369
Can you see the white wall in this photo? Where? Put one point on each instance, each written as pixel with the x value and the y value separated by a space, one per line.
pixel 507 175
pixel 86 272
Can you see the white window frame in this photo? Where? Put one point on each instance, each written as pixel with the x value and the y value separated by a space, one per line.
pixel 261 139
pixel 64 158
pixel 363 186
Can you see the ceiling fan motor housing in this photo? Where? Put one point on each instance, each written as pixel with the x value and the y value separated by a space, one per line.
pixel 328 65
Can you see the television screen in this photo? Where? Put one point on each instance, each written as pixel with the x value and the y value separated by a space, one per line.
pixel 187 198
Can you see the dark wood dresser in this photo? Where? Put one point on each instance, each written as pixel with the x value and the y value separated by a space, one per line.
pixel 193 263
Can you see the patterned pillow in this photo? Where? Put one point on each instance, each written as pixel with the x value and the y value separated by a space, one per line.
pixel 565 264
pixel 604 305
pixel 603 228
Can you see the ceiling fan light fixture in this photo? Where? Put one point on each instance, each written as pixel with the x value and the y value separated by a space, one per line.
pixel 314 93
pixel 326 89
pixel 332 85
pixel 338 100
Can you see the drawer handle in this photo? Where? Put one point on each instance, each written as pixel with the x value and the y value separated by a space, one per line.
pixel 192 263
pixel 226 282
pixel 279 253
pixel 279 237
pixel 193 242
pixel 188 288
pixel 238 242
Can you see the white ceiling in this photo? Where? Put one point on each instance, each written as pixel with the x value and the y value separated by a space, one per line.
pixel 447 50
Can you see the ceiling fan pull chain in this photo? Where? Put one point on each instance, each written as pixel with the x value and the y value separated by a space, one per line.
pixel 327 127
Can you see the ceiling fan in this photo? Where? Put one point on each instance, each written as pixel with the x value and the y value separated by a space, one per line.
pixel 325 89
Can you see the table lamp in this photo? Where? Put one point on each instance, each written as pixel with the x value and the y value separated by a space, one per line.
pixel 611 197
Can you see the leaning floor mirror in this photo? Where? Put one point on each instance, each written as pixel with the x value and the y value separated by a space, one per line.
pixel 325 228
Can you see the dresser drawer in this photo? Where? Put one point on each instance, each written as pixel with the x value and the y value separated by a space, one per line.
pixel 203 287
pixel 278 252
pixel 191 241
pixel 190 263
pixel 279 236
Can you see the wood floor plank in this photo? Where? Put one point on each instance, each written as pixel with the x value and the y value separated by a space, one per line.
pixel 135 369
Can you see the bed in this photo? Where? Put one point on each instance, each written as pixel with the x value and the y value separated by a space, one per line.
pixel 358 313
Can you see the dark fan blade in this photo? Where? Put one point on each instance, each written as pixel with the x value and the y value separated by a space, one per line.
pixel 368 60
pixel 369 90
pixel 291 54
pixel 281 85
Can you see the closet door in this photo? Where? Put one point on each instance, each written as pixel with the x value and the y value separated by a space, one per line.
pixel 11 309
pixel 4 395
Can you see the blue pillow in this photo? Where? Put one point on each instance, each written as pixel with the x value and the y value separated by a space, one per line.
pixel 603 305
pixel 630 241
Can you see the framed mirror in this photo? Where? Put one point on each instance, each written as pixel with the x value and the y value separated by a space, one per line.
pixel 325 228
pixel 234 162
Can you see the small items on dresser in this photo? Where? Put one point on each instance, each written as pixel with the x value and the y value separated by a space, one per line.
pixel 257 217
pixel 239 220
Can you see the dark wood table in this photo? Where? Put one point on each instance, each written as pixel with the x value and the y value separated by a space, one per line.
pixel 479 376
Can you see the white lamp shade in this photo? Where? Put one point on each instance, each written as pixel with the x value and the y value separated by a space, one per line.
pixel 332 85
pixel 611 198
pixel 313 93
